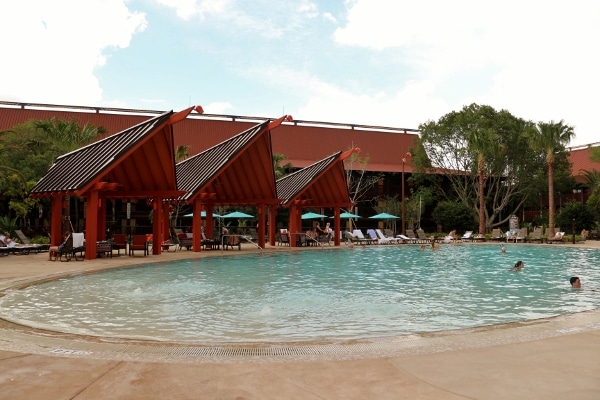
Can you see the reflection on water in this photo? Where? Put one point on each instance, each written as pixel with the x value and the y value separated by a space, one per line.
pixel 325 294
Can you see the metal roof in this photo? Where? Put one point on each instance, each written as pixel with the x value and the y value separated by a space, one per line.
pixel 236 171
pixel 140 158
pixel 322 184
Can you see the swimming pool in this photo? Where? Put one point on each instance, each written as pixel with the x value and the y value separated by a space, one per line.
pixel 330 294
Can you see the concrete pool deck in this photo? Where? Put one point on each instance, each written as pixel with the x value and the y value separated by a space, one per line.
pixel 555 358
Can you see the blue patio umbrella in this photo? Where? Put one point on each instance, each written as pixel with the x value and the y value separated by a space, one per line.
pixel 384 216
pixel 203 215
pixel 312 215
pixel 237 214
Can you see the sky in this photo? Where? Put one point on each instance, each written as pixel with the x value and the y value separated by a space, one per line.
pixel 388 63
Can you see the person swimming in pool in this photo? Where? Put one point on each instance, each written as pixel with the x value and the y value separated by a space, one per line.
pixel 518 266
pixel 503 249
pixel 575 282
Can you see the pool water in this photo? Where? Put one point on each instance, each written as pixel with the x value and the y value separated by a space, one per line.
pixel 326 294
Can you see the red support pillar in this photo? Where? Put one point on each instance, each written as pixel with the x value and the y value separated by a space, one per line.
pixel 337 226
pixel 261 226
pixel 157 221
pixel 56 233
pixel 197 226
pixel 293 225
pixel 272 224
pixel 91 224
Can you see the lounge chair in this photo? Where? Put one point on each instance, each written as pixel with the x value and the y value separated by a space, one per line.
pixel 406 239
pixel 497 234
pixel 357 233
pixel 4 250
pixel 411 235
pixel 468 236
pixel 138 242
pixel 423 237
pixel 355 239
pixel 69 250
pixel 33 246
pixel 383 236
pixel 383 239
pixel 557 238
pixel 536 235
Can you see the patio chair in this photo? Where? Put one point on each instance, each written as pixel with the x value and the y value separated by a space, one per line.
pixel 138 242
pixel 406 239
pixel 232 241
pixel 284 239
pixel 64 252
pixel 411 235
pixel 184 241
pixel 119 241
pixel 78 246
pixel 209 243
pixel 4 250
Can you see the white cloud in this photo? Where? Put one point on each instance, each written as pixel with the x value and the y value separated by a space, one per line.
pixel 187 9
pixel 54 47
pixel 217 108
pixel 539 56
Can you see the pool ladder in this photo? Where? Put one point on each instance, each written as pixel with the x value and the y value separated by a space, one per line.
pixel 241 237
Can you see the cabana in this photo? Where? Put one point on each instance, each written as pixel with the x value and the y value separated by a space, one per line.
pixel 234 172
pixel 322 184
pixel 138 162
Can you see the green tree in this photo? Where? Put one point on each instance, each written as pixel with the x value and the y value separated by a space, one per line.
pixel 485 160
pixel 575 211
pixel 281 170
pixel 551 138
pixel 454 215
pixel 592 180
pixel 358 180
pixel 181 153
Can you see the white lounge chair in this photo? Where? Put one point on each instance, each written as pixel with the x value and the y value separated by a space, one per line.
pixel 384 239
pixel 468 236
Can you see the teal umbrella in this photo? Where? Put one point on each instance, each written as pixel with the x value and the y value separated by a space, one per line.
pixel 348 215
pixel 312 215
pixel 237 214
pixel 203 215
pixel 384 216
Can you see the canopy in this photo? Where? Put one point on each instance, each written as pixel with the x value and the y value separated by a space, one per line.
pixel 237 214
pixel 348 215
pixel 384 216
pixel 203 215
pixel 312 215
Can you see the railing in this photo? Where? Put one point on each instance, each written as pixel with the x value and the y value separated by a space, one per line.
pixel 246 238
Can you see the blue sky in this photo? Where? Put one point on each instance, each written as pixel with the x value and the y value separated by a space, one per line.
pixel 390 63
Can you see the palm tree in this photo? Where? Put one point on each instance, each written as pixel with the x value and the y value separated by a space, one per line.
pixel 551 137
pixel 481 141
